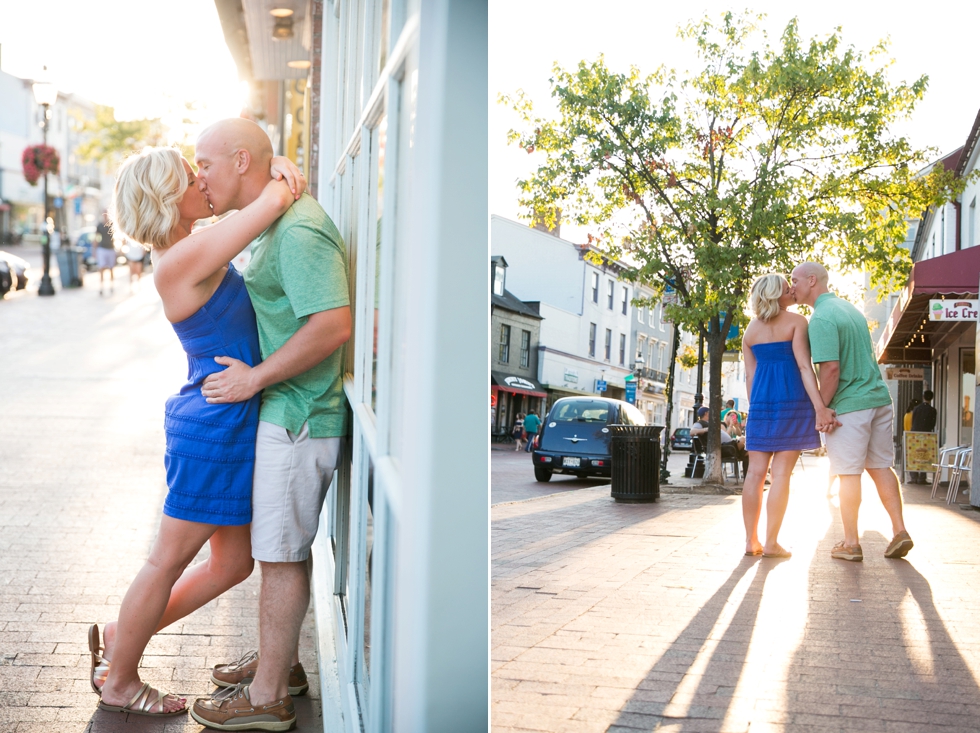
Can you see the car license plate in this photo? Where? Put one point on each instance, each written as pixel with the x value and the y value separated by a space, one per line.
pixel 571 462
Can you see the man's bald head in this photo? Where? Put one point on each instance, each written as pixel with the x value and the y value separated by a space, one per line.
pixel 236 133
pixel 809 281
pixel 233 157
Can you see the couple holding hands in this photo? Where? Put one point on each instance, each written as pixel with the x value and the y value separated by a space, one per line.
pixel 253 437
pixel 788 409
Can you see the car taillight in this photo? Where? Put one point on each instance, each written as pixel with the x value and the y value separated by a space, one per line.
pixel 598 463
pixel 546 459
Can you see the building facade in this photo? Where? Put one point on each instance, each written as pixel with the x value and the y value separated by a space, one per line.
pixel 940 352
pixel 586 309
pixel 515 328
pixel 80 190
pixel 651 340
pixel 395 113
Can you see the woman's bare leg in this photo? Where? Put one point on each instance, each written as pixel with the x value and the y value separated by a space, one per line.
pixel 782 468
pixel 752 498
pixel 229 564
pixel 144 604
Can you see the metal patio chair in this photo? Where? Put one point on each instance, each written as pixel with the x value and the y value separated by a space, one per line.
pixel 964 463
pixel 947 460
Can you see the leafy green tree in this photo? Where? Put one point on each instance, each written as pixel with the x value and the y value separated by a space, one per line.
pixel 110 140
pixel 764 158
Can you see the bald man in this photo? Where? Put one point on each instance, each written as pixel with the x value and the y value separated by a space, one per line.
pixel 851 384
pixel 297 281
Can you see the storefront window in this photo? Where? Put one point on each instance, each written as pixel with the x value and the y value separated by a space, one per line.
pixel 968 382
pixel 380 136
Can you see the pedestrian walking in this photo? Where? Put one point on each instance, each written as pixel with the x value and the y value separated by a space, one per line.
pixel 518 432
pixel 134 258
pixel 785 408
pixel 923 421
pixel 298 283
pixel 210 448
pixel 851 385
pixel 532 423
pixel 105 254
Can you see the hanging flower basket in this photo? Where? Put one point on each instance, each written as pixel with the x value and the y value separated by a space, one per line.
pixel 38 160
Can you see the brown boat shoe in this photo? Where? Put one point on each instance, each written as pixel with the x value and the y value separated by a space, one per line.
pixel 243 672
pixel 231 709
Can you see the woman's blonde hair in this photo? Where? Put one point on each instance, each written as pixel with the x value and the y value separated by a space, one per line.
pixel 149 185
pixel 765 294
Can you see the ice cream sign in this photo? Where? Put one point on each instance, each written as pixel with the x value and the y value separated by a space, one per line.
pixel 954 310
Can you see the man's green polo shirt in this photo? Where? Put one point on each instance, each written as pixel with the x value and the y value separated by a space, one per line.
pixel 299 267
pixel 839 332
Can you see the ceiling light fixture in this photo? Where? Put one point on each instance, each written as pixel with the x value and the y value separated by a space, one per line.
pixel 298 64
pixel 281 12
pixel 283 28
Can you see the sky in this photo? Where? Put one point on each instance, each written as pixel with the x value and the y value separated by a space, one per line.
pixel 145 59
pixel 528 36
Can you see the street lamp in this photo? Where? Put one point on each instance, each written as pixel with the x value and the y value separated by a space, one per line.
pixel 46 94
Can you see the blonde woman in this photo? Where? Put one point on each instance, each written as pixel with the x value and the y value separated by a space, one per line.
pixel 785 409
pixel 210 450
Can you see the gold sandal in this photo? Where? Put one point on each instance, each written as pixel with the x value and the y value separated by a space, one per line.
pixel 100 665
pixel 143 702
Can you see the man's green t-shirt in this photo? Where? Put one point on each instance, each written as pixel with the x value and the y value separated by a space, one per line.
pixel 299 267
pixel 839 332
pixel 532 423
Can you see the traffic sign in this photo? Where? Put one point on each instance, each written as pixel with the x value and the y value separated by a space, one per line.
pixel 600 385
pixel 631 392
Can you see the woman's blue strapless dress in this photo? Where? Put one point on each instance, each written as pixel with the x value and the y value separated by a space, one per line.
pixel 781 416
pixel 211 448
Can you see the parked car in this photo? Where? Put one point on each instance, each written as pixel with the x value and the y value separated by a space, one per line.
pixel 16 272
pixel 575 437
pixel 681 439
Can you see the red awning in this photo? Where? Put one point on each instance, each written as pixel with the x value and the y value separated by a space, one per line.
pixel 909 336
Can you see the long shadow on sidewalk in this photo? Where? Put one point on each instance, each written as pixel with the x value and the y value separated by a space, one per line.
pixel 876 652
pixel 684 678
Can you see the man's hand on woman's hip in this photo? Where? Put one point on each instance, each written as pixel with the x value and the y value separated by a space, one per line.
pixel 233 384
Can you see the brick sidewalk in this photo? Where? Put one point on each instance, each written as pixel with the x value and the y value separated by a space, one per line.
pixel 82 484
pixel 614 617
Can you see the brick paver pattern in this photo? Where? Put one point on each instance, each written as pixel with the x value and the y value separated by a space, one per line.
pixel 615 617
pixel 82 387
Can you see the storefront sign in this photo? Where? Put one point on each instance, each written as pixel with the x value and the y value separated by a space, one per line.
pixel 905 374
pixel 571 375
pixel 954 310
pixel 518 383
pixel 921 451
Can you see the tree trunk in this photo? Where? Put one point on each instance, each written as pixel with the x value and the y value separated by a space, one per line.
pixel 716 350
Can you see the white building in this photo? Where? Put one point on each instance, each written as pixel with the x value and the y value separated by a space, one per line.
pixel 392 121
pixel 76 194
pixel 943 245
pixel 585 334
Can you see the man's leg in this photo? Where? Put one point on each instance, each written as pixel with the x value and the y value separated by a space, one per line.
pixel 282 607
pixel 850 502
pixel 891 496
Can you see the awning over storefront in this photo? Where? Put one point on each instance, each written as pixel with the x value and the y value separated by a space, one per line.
pixel 517 385
pixel 910 337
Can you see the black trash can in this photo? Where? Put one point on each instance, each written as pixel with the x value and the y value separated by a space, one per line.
pixel 636 462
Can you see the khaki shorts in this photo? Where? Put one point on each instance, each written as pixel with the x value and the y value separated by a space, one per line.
pixel 864 440
pixel 292 475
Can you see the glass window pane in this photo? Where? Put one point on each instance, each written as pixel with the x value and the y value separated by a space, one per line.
pixel 380 135
pixel 369 536
pixel 968 382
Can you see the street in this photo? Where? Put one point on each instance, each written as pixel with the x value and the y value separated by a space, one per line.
pixel 82 485
pixel 620 617
pixel 512 476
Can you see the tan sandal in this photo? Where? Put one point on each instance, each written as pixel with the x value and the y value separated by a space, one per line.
pixel 143 702
pixel 100 665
